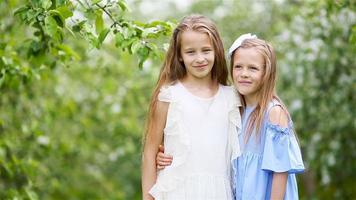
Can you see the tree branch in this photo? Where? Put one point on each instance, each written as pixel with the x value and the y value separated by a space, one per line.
pixel 108 14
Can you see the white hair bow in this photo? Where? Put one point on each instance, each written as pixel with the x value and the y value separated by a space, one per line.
pixel 239 41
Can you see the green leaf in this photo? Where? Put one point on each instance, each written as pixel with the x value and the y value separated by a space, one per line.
pixel 64 12
pixel 93 41
pixel 31 194
pixel 90 13
pixel 99 22
pixel 58 17
pixel 59 35
pixel 50 26
pixel 152 46
pixel 78 27
pixel 128 32
pixel 123 5
pixel 96 1
pixel 46 4
pixel 103 35
pixel 52 29
pixel 69 30
pixel 69 51
pixel 126 43
pixel 136 45
pixel 143 54
pixel 119 38
pixel 21 10
pixel 155 23
pixel 30 16
pixel 61 2
pixel 149 32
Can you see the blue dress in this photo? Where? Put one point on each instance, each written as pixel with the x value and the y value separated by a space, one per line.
pixel 275 150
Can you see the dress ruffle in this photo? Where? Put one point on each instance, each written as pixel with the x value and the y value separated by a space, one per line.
pixel 234 132
pixel 177 144
pixel 281 151
pixel 280 131
pixel 165 94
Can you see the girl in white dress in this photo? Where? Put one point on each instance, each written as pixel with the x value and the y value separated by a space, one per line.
pixel 195 115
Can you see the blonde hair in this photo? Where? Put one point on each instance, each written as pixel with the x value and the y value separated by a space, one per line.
pixel 267 88
pixel 173 68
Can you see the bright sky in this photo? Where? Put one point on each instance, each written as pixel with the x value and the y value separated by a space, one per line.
pixel 160 9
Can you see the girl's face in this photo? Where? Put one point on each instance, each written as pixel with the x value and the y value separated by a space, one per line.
pixel 197 54
pixel 247 72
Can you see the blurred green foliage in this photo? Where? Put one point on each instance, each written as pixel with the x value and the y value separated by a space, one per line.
pixel 76 78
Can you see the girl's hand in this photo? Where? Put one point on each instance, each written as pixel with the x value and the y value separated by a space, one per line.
pixel 162 159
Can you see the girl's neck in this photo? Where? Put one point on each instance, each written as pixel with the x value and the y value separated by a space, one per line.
pixel 206 82
pixel 251 101
pixel 204 88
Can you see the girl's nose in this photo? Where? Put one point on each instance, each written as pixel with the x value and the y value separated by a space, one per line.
pixel 244 73
pixel 200 57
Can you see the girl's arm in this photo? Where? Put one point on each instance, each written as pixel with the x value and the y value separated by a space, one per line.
pixel 153 139
pixel 279 182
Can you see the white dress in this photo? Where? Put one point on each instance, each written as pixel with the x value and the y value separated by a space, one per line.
pixel 201 135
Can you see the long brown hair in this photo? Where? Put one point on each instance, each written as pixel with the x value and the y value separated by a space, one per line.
pixel 173 69
pixel 267 88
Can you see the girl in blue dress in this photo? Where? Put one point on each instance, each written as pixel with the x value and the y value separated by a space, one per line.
pixel 270 151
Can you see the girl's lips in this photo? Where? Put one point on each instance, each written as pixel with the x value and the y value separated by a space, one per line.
pixel 200 66
pixel 244 82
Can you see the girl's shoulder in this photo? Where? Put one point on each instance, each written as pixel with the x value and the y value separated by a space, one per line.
pixel 277 117
pixel 227 88
pixel 171 92
pixel 231 94
pixel 166 92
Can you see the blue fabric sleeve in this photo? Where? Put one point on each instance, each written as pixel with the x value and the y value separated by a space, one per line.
pixel 281 150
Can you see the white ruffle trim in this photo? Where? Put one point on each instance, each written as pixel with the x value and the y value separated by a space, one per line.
pixel 177 144
pixel 234 132
pixel 165 94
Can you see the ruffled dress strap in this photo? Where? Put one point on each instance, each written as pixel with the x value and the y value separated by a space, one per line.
pixel 165 94
pixel 281 151
pixel 235 128
pixel 177 144
pixel 235 125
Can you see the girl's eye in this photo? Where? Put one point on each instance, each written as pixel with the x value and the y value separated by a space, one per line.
pixel 237 66
pixel 207 50
pixel 254 68
pixel 190 52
